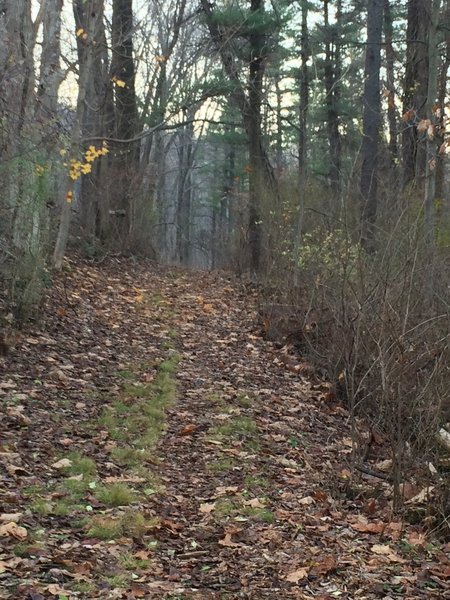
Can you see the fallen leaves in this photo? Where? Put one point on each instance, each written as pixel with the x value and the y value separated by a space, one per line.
pixel 297 575
pixel 253 513
pixel 64 463
pixel 11 529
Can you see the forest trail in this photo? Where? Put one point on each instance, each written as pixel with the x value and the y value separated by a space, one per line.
pixel 153 445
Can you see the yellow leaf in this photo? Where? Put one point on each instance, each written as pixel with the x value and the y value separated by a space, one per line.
pixel 118 82
pixel 86 168
pixel 79 32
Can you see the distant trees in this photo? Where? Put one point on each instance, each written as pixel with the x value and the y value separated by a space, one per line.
pixel 194 102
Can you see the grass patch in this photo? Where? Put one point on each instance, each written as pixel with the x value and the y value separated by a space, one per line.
pixel 82 465
pixel 117 494
pixel 245 401
pixel 239 428
pixel 262 514
pixel 132 523
pixel 105 528
pixel 128 561
pixel 136 420
pixel 226 507
pixel 41 506
pixel 256 482
pixel 117 581
pixel 83 587
pixel 221 465
pixel 75 488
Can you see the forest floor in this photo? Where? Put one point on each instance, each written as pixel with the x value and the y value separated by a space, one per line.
pixel 153 445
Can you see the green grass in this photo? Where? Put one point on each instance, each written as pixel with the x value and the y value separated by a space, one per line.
pixel 221 465
pixel 41 506
pixel 117 494
pixel 132 523
pixel 105 528
pixel 128 561
pixel 82 465
pixel 239 428
pixel 256 481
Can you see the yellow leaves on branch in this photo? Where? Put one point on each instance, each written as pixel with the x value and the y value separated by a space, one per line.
pixel 81 33
pixel 118 82
pixel 77 168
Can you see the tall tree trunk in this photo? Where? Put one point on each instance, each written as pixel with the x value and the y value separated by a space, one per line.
pixel 98 114
pixel 390 85
pixel 305 53
pixel 261 174
pixel 256 159
pixel 442 94
pixel 303 134
pixel 13 83
pixel 77 131
pixel 126 155
pixel 430 168
pixel 332 73
pixel 184 193
pixel 415 90
pixel 371 124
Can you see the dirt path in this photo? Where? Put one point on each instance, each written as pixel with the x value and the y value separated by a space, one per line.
pixel 154 446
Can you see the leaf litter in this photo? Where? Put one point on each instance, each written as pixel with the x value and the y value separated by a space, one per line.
pixel 236 484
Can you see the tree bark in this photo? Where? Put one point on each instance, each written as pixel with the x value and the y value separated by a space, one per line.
pixel 125 159
pixel 415 89
pixel 261 175
pixel 371 124
pixel 331 75
pixel 390 85
pixel 430 166
pixel 76 135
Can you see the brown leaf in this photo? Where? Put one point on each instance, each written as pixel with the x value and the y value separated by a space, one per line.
pixel 254 503
pixel 297 575
pixel 326 565
pixel 364 526
pixel 13 530
pixel 188 429
pixel 56 590
pixel 228 542
pixel 207 508
pixel 10 517
pixel 62 464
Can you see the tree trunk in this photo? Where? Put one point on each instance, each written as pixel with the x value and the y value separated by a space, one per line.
pixel 77 130
pixel 184 193
pixel 305 53
pixel 98 116
pixel 332 73
pixel 442 93
pixel 430 167
pixel 415 90
pixel 371 124
pixel 390 85
pixel 125 161
pixel 256 159
pixel 261 175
